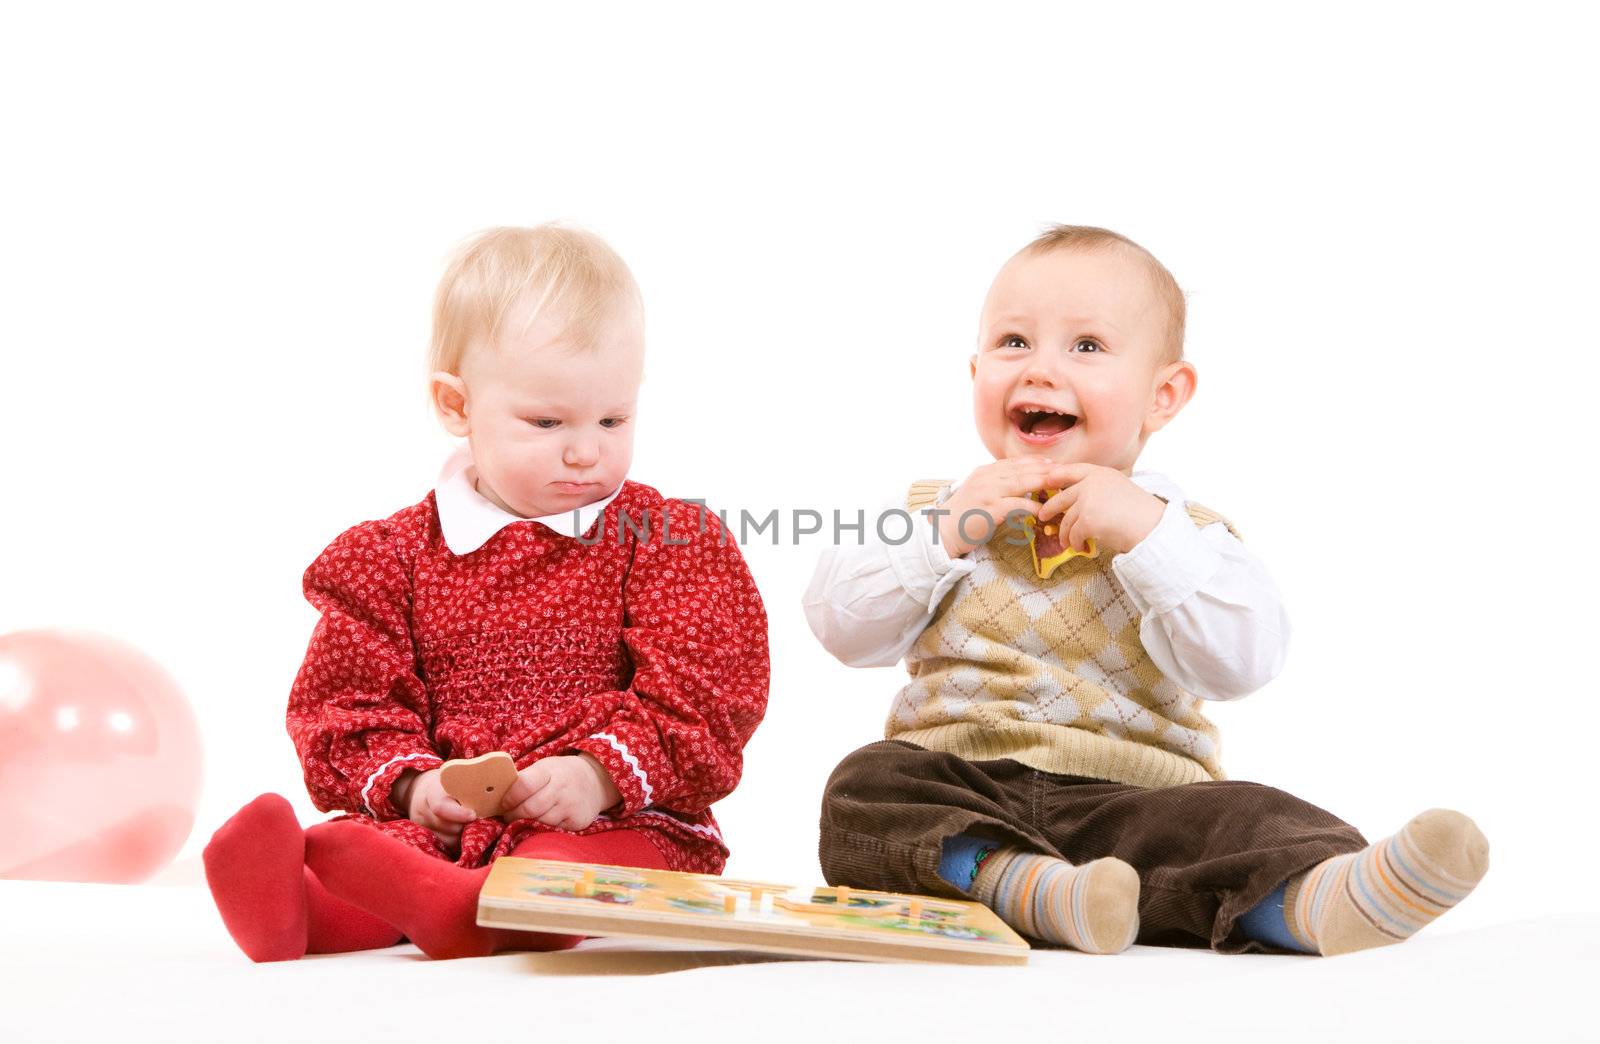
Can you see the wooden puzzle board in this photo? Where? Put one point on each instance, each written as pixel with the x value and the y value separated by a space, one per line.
pixel 846 923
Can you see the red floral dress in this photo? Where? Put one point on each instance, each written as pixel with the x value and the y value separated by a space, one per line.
pixel 642 642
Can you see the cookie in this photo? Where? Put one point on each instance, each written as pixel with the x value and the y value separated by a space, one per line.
pixel 480 783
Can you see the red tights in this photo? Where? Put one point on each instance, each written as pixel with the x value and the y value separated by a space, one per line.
pixel 284 892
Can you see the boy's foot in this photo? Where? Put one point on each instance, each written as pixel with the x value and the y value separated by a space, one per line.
pixel 1093 908
pixel 1386 892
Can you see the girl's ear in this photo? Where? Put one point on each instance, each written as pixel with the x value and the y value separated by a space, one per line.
pixel 448 393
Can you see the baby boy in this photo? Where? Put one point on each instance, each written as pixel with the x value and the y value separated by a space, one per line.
pixel 1049 756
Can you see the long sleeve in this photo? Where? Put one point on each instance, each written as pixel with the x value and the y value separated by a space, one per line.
pixel 1211 617
pixel 868 602
pixel 358 712
pixel 696 631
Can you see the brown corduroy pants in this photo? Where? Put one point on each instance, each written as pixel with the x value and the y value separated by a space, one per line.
pixel 1205 852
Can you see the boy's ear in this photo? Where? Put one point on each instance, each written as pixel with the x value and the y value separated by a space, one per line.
pixel 973 365
pixel 448 393
pixel 1174 387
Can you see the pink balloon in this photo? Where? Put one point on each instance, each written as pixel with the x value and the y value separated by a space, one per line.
pixel 99 760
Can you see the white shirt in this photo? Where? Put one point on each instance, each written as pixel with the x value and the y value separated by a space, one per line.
pixel 1210 617
pixel 469 519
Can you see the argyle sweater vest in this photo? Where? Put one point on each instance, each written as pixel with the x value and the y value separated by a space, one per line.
pixel 1050 673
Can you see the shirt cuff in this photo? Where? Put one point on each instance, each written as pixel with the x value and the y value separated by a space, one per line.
pixel 620 763
pixel 375 793
pixel 1171 563
pixel 922 565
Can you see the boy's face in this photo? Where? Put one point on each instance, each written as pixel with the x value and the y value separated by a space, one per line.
pixel 551 425
pixel 1066 366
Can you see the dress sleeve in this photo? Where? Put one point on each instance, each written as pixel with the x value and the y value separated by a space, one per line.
pixel 1212 619
pixel 867 602
pixel 696 632
pixel 358 711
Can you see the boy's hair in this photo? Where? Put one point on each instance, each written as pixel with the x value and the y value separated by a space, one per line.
pixel 1088 237
pixel 572 275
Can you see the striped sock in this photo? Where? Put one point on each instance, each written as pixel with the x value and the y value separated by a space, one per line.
pixel 1384 893
pixel 1093 908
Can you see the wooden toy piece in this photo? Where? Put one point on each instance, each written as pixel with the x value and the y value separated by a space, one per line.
pixel 1047 542
pixel 584 887
pixel 542 895
pixel 480 783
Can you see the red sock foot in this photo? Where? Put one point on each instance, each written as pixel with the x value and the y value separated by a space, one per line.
pixel 270 902
pixel 255 867
pixel 335 926
pixel 434 903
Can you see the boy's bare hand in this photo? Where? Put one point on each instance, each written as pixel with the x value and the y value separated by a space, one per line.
pixel 428 806
pixel 567 792
pixel 1100 503
pixel 987 497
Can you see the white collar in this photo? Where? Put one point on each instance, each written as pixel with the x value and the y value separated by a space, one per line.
pixel 468 519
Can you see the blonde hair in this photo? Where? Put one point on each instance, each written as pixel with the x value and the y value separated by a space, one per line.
pixel 570 273
pixel 1088 237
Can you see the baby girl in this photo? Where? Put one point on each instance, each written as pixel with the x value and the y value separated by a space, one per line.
pixel 536 601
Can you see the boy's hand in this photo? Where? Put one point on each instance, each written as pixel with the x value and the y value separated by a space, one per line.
pixel 996 490
pixel 567 792
pixel 1101 503
pixel 428 806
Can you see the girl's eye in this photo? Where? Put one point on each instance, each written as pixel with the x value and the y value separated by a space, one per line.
pixel 613 422
pixel 1088 341
pixel 1012 341
pixel 544 422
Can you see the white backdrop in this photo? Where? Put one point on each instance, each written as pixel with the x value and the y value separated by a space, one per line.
pixel 222 226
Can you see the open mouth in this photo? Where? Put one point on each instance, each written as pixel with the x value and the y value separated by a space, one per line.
pixel 1041 424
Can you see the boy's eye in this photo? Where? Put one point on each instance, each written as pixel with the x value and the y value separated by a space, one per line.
pixel 1089 341
pixel 544 422
pixel 613 422
pixel 1012 341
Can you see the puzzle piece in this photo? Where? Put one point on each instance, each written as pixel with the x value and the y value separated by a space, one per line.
pixel 480 783
pixel 1046 543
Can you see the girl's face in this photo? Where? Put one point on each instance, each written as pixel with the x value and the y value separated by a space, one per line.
pixel 551 423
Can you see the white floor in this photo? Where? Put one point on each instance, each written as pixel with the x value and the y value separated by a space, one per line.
pixel 104 962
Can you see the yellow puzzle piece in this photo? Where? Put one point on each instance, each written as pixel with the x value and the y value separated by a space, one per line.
pixel 1046 543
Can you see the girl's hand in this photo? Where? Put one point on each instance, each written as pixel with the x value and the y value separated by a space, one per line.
pixel 567 791
pixel 991 493
pixel 1101 503
pixel 428 806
